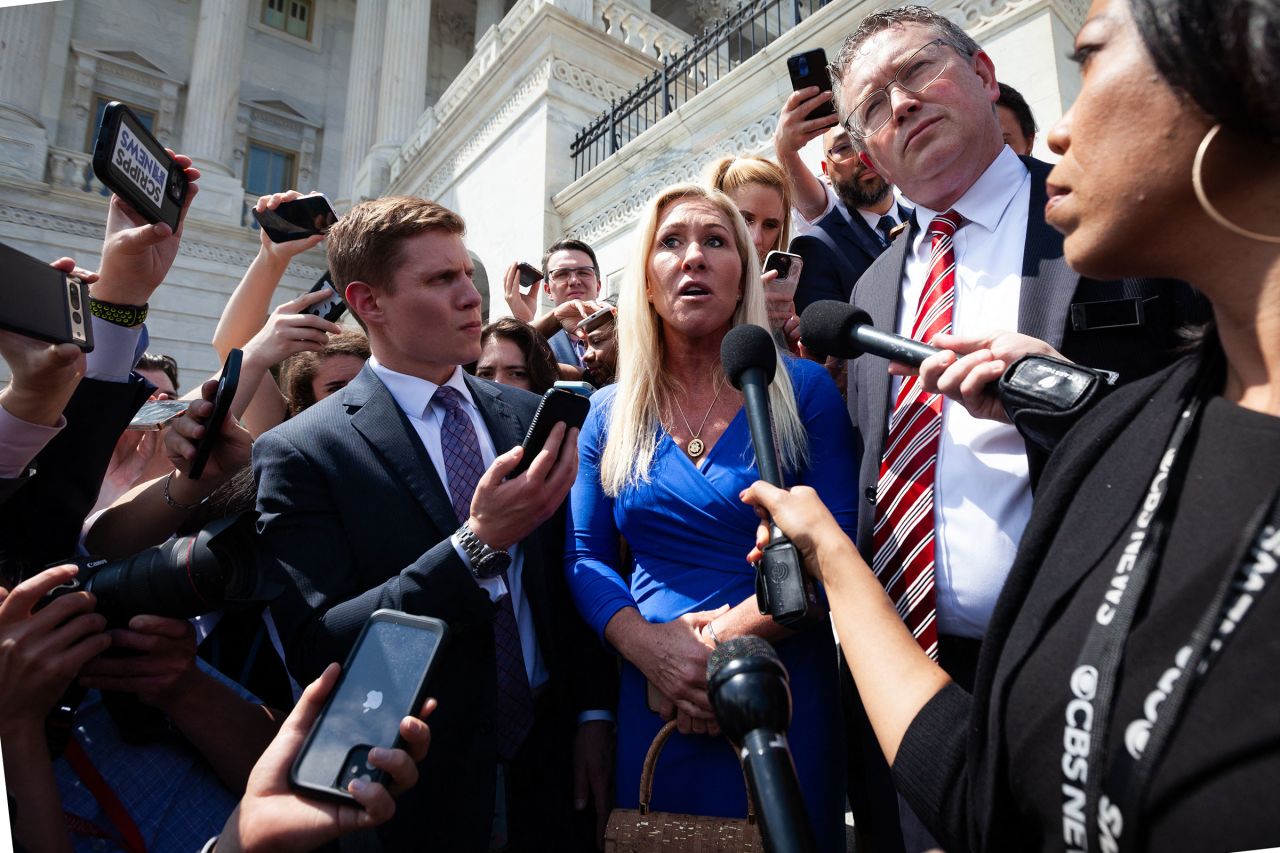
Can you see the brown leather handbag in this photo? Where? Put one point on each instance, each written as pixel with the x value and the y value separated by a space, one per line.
pixel 644 831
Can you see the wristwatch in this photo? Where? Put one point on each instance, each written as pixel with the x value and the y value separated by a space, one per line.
pixel 122 315
pixel 486 562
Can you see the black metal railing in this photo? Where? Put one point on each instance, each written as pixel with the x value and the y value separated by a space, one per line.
pixel 721 47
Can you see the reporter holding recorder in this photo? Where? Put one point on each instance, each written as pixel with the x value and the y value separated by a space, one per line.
pixel 1102 716
pixel 664 452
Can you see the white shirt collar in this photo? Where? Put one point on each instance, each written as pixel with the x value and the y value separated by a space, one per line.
pixel 413 393
pixel 985 202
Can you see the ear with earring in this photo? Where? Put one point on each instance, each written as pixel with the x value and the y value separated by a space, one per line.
pixel 1202 196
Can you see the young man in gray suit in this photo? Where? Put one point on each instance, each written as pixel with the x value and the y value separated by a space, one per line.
pixel 393 493
pixel 948 493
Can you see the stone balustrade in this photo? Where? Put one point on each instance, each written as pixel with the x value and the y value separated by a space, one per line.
pixel 641 29
pixel 73 170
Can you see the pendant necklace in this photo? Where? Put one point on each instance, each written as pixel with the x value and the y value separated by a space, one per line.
pixel 695 446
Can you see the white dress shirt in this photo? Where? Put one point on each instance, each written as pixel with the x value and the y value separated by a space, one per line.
pixel 414 397
pixel 982 492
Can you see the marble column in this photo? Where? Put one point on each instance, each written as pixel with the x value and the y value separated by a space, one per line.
pixel 402 90
pixel 213 98
pixel 25 33
pixel 362 94
pixel 489 13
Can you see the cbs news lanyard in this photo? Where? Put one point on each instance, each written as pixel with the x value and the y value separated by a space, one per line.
pixel 1105 817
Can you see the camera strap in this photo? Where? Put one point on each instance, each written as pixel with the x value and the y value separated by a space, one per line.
pixel 130 837
pixel 1106 817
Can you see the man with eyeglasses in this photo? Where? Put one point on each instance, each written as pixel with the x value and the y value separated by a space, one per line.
pixel 947 486
pixel 571 277
pixel 857 227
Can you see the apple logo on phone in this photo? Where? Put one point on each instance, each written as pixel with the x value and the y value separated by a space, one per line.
pixel 373 701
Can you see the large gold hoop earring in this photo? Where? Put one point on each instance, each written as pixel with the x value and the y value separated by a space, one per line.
pixel 1197 183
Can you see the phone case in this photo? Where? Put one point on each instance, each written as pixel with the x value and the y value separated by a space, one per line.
pixel 227 385
pixel 134 165
pixel 298 219
pixel 353 765
pixel 810 69
pixel 42 303
pixel 557 405
pixel 332 308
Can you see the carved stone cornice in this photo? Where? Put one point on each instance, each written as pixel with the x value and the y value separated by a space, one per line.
pixel 756 136
pixel 978 17
pixel 55 223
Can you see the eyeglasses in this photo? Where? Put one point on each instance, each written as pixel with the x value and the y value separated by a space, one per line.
pixel 915 74
pixel 842 151
pixel 563 274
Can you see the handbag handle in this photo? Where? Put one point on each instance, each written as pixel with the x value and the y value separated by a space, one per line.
pixel 651 762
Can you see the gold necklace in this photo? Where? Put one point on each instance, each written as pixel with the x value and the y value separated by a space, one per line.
pixel 695 446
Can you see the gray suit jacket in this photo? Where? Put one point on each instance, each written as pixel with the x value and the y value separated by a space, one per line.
pixel 1050 291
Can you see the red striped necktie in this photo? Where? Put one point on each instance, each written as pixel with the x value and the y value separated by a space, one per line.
pixel 904 532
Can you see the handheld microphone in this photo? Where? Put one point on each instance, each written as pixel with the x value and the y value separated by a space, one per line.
pixel 836 328
pixel 748 689
pixel 783 590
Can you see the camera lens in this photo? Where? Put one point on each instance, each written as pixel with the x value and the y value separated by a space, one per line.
pixel 75 317
pixel 75 296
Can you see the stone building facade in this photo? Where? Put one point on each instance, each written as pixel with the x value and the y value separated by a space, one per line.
pixel 475 103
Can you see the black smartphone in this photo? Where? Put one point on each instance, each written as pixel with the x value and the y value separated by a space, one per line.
pixel 810 69
pixel 228 382
pixel 788 267
pixel 134 165
pixel 333 307
pixel 297 219
pixel 529 276
pixel 557 405
pixel 156 414
pixel 384 680
pixel 40 302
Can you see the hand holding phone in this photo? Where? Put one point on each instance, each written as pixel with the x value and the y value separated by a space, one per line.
pixel 384 680
pixel 135 166
pixel 810 69
pixel 303 217
pixel 329 309
pixel 557 406
pixel 788 267
pixel 42 302
pixel 529 276
pixel 272 816
pixel 228 382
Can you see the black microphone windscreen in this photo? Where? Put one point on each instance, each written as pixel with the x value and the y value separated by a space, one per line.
pixel 825 326
pixel 737 649
pixel 746 347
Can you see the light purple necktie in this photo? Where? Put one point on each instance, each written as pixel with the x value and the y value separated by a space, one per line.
pixel 463 466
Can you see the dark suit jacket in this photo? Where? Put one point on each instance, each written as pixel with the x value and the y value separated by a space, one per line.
pixel 951 766
pixel 43 514
pixel 358 519
pixel 563 349
pixel 1050 293
pixel 836 253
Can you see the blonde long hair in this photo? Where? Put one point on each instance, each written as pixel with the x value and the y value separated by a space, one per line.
pixel 732 173
pixel 643 382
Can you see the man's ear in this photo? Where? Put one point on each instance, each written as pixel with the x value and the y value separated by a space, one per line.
pixel 824 167
pixel 363 300
pixel 986 70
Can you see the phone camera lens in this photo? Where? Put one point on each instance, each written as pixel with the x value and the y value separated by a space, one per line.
pixel 76 318
pixel 803 66
pixel 75 296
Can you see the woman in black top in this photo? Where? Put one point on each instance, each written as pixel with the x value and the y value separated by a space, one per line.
pixel 1128 694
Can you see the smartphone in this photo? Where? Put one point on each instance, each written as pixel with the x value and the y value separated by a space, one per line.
pixel 333 307
pixel 157 414
pixel 557 405
pixel 227 384
pixel 134 165
pixel 810 69
pixel 577 386
pixel 529 276
pixel 384 680
pixel 40 302
pixel 297 219
pixel 596 320
pixel 788 267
